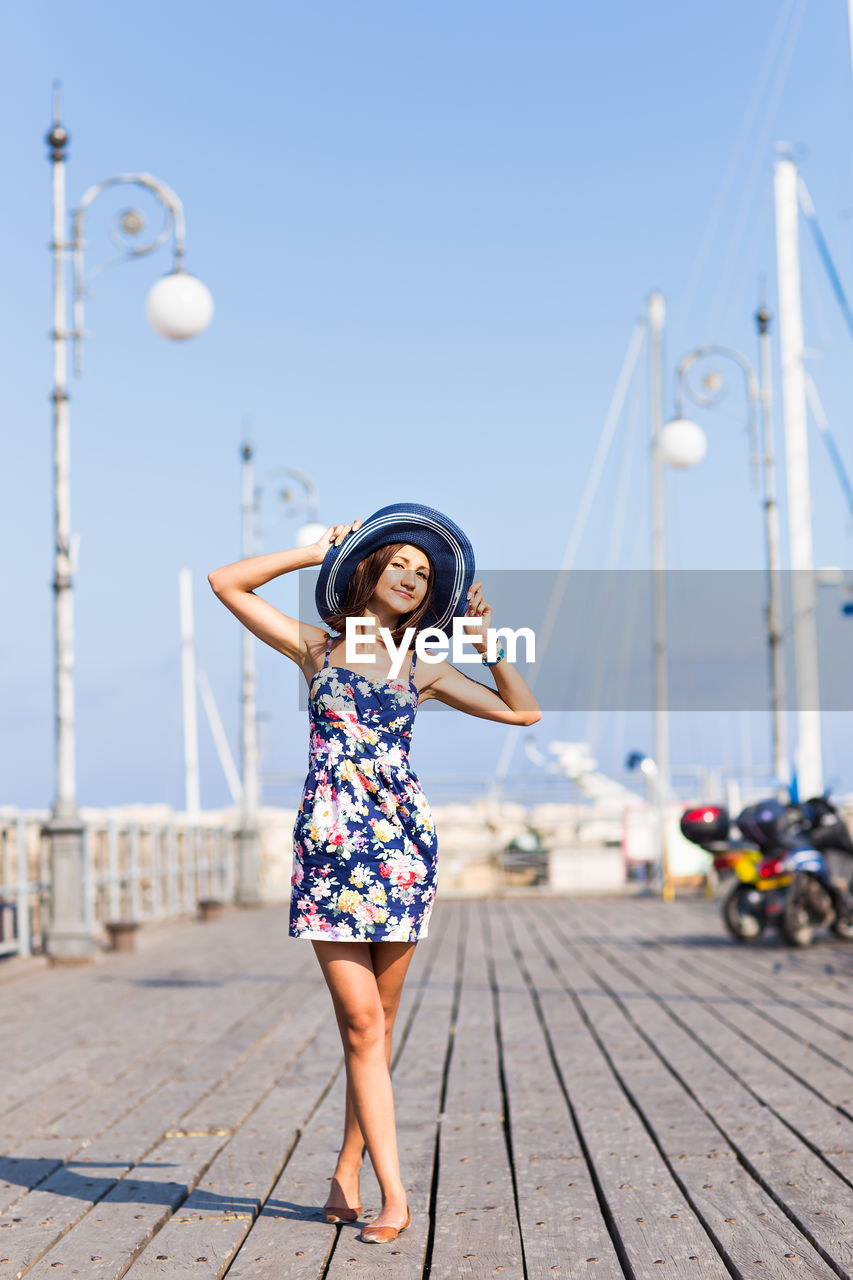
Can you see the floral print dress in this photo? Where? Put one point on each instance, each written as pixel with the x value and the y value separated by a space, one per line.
pixel 364 843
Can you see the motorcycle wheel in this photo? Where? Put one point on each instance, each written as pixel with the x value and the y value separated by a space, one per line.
pixel 795 923
pixel 739 917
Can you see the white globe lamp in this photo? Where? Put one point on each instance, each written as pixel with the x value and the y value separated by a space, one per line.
pixel 682 443
pixel 179 306
pixel 309 533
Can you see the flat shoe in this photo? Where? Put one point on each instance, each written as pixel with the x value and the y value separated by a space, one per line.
pixel 381 1235
pixel 343 1215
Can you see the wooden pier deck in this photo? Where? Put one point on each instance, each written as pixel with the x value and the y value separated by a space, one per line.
pixel 595 1088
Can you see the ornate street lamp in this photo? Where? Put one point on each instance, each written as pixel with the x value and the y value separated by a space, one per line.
pixel 179 306
pixel 683 444
pixel 248 832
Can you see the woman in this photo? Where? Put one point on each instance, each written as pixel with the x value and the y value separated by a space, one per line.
pixel 365 865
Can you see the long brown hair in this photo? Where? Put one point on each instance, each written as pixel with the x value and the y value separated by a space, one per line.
pixel 362 585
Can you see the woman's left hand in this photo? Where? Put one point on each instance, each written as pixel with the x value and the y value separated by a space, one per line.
pixel 478 608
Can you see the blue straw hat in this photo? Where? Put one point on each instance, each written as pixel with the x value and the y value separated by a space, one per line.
pixel 408 522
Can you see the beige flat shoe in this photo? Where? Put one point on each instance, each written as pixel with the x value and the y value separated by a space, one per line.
pixel 382 1235
pixel 342 1215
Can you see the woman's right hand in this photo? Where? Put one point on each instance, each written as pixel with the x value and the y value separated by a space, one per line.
pixel 334 535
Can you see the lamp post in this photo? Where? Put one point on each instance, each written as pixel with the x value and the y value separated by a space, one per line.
pixel 179 306
pixel 656 313
pixel 248 839
pixel 683 444
pixel 649 768
pixel 248 833
pixel 767 458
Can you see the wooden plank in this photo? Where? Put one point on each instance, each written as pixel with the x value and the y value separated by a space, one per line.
pixel 161 988
pixel 249 1041
pixel 211 1226
pixel 748 1226
pixel 92 1070
pixel 817 1200
pixel 205 1233
pixel 651 1070
pixel 96 1061
pixel 40 1218
pixel 655 1223
pixel 727 1026
pixel 63 1199
pixel 562 1224
pixel 823 970
pixel 131 1114
pixel 290 1239
pixel 100 1244
pixel 32 1159
pixel 476 1229
pixel 418 1077
pixel 815 1052
pixel 87 1053
pixel 820 992
pixel 68 997
pixel 61 1103
pixel 827 1026
pixel 166 1107
pixel 38 1157
pixel 229 1103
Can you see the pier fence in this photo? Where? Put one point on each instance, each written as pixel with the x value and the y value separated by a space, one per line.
pixel 134 869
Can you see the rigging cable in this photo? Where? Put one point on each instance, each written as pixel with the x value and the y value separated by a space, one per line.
pixel 829 440
pixel 765 74
pixel 820 418
pixel 823 251
pixel 587 498
pixel 755 173
pixel 614 556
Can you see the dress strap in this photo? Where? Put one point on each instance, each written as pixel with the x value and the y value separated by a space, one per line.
pixel 328 651
pixel 414 660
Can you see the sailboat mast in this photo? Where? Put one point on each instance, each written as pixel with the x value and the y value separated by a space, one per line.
pixel 808 754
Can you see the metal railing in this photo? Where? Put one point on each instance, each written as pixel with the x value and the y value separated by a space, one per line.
pixel 134 870
pixel 24 903
pixel 529 787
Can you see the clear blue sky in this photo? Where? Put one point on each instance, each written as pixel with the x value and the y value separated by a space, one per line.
pixel 429 230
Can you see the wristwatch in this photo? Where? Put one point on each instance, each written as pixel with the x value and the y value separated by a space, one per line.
pixel 501 654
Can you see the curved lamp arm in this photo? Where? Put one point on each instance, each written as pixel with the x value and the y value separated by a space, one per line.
pixel 129 223
pixel 309 504
pixel 713 391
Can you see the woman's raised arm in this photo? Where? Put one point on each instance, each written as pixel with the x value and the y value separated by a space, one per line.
pixel 512 702
pixel 235 584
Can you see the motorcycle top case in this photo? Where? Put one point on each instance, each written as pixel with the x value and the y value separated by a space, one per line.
pixel 771 824
pixel 706 824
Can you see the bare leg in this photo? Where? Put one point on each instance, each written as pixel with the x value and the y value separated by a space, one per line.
pixel 390 963
pixel 365 981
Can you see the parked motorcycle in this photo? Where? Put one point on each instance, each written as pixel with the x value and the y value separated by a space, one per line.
pixel 791 868
pixel 736 862
pixel 819 895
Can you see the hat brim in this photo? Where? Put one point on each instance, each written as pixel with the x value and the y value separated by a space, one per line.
pixel 435 533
